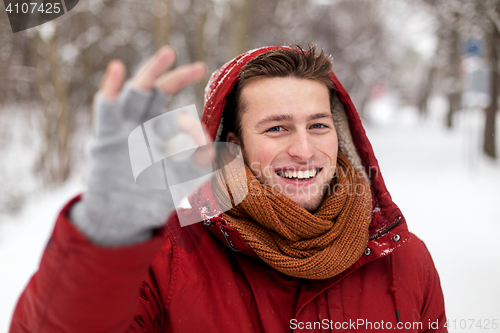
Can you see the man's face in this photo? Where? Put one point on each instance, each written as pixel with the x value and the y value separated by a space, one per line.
pixel 290 142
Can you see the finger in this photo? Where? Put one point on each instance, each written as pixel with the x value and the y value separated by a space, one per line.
pixel 190 125
pixel 162 60
pixel 112 80
pixel 175 80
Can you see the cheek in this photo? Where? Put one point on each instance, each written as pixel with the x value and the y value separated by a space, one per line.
pixel 332 152
pixel 264 155
pixel 329 149
pixel 332 144
pixel 259 154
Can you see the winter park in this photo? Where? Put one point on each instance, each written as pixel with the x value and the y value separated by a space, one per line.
pixel 414 97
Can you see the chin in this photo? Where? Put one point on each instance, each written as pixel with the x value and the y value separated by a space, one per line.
pixel 311 205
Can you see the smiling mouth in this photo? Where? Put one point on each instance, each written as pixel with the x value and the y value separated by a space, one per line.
pixel 298 175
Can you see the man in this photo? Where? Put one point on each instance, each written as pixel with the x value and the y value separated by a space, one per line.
pixel 316 245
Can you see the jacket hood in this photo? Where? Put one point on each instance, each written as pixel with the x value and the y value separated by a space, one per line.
pixel 388 227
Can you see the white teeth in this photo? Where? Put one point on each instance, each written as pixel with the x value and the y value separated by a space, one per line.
pixel 297 174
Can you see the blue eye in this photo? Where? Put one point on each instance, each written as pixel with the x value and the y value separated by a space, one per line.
pixel 318 126
pixel 275 129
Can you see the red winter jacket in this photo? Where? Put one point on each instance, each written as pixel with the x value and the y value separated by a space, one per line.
pixel 186 280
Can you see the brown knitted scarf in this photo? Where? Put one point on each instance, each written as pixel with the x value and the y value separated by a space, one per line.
pixel 287 237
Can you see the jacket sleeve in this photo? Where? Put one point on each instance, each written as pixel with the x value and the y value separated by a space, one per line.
pixel 81 287
pixel 433 310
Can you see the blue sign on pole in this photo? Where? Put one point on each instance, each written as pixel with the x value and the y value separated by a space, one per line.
pixel 473 47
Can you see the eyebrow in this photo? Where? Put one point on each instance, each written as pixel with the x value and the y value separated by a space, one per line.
pixel 287 117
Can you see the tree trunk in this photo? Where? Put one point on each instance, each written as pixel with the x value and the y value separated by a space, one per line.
pixel 489 146
pixel 54 160
pixel 425 91
pixel 162 22
pixel 241 13
pixel 454 94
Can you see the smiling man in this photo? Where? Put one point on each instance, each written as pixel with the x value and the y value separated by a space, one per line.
pixel 316 245
pixel 290 139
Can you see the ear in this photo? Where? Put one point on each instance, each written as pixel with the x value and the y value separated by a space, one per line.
pixel 231 137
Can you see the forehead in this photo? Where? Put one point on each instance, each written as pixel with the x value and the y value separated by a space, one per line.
pixel 297 98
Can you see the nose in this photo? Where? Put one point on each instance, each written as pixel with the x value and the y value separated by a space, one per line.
pixel 301 146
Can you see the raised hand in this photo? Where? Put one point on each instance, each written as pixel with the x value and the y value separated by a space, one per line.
pixel 114 210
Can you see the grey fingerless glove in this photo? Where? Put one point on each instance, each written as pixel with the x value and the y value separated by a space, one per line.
pixel 114 210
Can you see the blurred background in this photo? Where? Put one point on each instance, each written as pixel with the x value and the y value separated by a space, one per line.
pixel 423 74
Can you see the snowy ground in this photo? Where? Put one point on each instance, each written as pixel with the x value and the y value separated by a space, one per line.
pixel 447 192
pixel 22 240
pixel 450 197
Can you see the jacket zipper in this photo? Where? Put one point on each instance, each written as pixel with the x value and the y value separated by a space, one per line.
pixel 386 230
